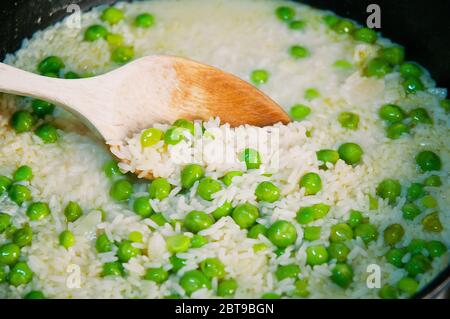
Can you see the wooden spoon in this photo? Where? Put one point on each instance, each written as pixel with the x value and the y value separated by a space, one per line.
pixel 149 90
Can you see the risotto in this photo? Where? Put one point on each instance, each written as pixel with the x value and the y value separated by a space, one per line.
pixel 350 200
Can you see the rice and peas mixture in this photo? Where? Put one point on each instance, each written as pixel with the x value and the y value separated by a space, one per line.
pixel 358 181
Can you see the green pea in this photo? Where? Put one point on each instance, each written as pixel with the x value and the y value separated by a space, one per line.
pixel 412 84
pixel 393 55
pixel 185 124
pixel 331 20
pixel 194 280
pixel 5 184
pixel 66 239
pixel 389 189
pixel 393 234
pixel 327 156
pixel 47 133
pixel 410 69
pixel 114 39
pixel 396 130
pixel 343 64
pixel 298 52
pixel 415 191
pixel 103 244
pixel 445 104
pixel 95 32
pixel 174 135
pixel 73 211
pixel 410 211
pixel 122 54
pixel 9 231
pixel 111 169
pixel 391 113
pixel 301 288
pixel 316 255
pixel 344 26
pixel 5 222
pixel 112 15
pixel 308 214
pixel 367 232
pixel 158 275
pixel 432 181
pixel 159 188
pixel 299 112
pixel 282 233
pixel 287 271
pixel 227 288
pixel 22 121
pixel 245 215
pixel 196 221
pixel 38 210
pixel 23 173
pixel 428 161
pixel 408 286
pixel 267 192
pixel 113 268
pixel 159 219
pixel 144 20
pixel 207 188
pixel 178 243
pixel 213 267
pixel 9 254
pixel 142 207
pixel 420 115
pixel 20 274
pixel 311 233
pixel 395 256
pixel 71 75
pixel 259 76
pixel 341 232
pixel 416 246
pixel 349 120
pixel 388 292
pixel 126 251
pixel 19 194
pixel 435 248
pixel 51 74
pixel 42 108
pixel 177 263
pixel 338 251
pixel 3 274
pixel 227 179
pixel 23 237
pixel 285 13
pixel 190 174
pixel 342 275
pixel 350 153
pixel 418 264
pixel 121 190
pixel 257 230
pixel 297 25
pixel 51 64
pixel 373 202
pixel 429 201
pixel 311 94
pixel 311 182
pixel 198 241
pixel 377 67
pixel 432 223
pixel 270 295
pixel 135 237
pixel 150 137
pixel 222 211
pixel 35 294
pixel 365 35
pixel 355 218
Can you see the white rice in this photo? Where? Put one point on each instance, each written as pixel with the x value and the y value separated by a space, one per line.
pixel 237 36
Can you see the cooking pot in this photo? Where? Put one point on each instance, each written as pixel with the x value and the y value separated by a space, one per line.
pixel 421 26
